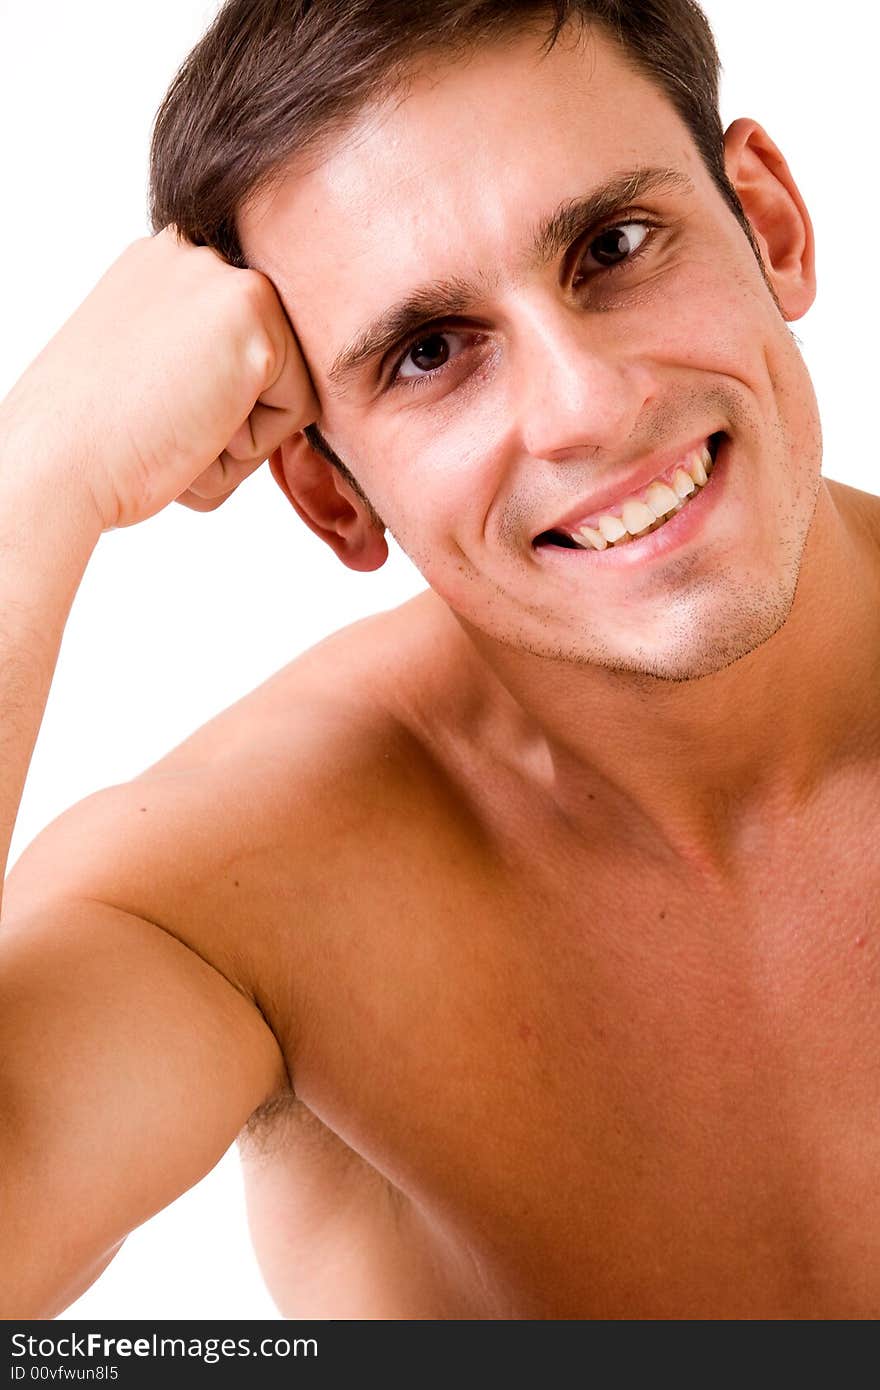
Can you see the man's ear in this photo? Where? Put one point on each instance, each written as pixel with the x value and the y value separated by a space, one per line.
pixel 328 504
pixel 777 212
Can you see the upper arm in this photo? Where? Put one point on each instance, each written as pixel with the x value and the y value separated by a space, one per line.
pixel 130 1054
pixel 156 943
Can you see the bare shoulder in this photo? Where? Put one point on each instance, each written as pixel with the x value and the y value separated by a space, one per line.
pixel 242 826
pixel 862 507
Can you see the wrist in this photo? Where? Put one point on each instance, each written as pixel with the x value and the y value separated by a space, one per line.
pixel 42 487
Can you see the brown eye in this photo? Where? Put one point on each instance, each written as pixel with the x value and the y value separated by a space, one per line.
pixel 613 246
pixel 429 354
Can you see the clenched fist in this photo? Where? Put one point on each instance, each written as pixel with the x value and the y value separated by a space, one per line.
pixel 173 380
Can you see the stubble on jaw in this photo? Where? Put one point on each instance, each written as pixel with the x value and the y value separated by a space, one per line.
pixel 742 617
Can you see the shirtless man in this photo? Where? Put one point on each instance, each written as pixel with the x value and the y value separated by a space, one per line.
pixel 528 930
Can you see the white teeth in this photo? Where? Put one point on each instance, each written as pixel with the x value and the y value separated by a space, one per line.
pixel 683 483
pixel 660 502
pixel 612 528
pixel 636 516
pixel 697 468
pixel 660 499
pixel 592 537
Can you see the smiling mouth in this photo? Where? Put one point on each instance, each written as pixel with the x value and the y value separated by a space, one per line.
pixel 643 512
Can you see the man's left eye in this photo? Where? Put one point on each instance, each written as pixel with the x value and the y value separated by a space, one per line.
pixel 614 246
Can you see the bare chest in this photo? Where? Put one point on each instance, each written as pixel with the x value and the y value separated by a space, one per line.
pixel 624 1092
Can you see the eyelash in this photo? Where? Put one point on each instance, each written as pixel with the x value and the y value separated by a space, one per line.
pixel 415 383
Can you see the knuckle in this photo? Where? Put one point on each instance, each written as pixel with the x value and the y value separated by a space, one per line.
pixel 257 306
pixel 259 288
pixel 250 289
pixel 260 353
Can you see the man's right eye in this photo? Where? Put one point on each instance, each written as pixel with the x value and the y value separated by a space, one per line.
pixel 427 356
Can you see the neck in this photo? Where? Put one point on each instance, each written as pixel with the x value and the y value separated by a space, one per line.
pixel 697 762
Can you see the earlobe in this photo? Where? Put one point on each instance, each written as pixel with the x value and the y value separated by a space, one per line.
pixel 777 212
pixel 328 504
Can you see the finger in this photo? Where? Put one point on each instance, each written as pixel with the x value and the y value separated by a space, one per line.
pixel 288 387
pixel 261 433
pixel 202 504
pixel 222 476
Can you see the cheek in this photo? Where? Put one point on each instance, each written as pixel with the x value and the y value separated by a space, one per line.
pixel 721 323
pixel 428 471
pixel 716 319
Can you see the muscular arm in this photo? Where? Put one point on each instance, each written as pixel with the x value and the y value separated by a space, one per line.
pixel 132 1049
pixel 128 1062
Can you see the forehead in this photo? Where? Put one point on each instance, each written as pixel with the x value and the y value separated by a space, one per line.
pixel 448 178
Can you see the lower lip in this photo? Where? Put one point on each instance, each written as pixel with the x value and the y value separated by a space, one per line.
pixel 669 537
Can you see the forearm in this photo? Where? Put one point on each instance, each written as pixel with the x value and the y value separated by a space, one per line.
pixel 48 530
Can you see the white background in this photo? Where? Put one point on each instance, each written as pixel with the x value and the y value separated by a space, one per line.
pixel 182 615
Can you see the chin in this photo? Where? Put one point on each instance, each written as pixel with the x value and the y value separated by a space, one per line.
pixel 693 652
pixel 700 637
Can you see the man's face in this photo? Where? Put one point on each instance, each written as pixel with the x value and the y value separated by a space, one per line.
pixel 551 368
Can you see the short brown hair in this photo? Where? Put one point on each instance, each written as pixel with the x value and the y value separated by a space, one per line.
pixel 272 78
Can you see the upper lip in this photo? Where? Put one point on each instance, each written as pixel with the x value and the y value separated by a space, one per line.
pixel 620 486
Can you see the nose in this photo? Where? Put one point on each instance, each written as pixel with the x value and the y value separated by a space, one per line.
pixel 576 385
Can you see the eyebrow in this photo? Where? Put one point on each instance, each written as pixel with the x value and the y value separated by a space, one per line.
pixel 441 299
